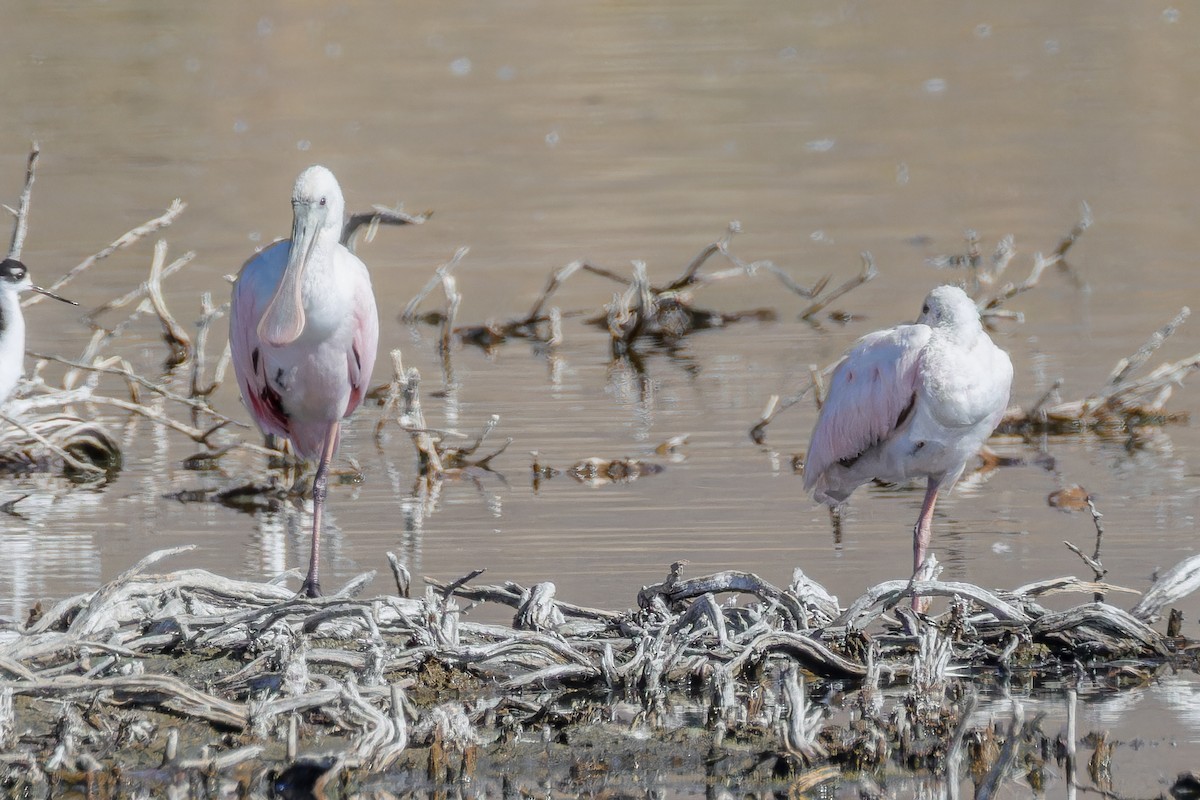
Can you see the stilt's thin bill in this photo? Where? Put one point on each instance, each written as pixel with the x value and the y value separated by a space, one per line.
pixel 49 293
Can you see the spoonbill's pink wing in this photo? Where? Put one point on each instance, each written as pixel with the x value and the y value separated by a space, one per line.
pixel 870 390
pixel 361 358
pixel 254 289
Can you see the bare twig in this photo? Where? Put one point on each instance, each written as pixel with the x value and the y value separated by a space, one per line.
pixel 403 396
pixel 208 315
pixel 437 279
pixel 72 461
pixel 556 279
pixel 868 272
pixel 790 283
pixel 124 240
pixel 174 334
pixel 124 371
pixel 605 273
pixel 1037 409
pixel 21 226
pixel 378 215
pixel 1009 290
pixel 1084 222
pixel 142 290
pixel 195 434
pixel 775 406
pixel 1091 562
pixel 1127 365
pixel 451 587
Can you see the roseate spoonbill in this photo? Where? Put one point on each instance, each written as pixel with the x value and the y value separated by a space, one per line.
pixel 303 330
pixel 908 402
pixel 14 279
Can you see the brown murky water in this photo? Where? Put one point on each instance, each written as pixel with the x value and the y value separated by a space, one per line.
pixel 541 132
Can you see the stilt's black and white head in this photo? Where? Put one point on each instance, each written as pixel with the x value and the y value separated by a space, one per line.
pixel 14 279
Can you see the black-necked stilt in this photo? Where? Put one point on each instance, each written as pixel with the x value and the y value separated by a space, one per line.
pixel 14 279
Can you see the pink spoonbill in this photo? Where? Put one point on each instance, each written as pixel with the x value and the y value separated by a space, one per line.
pixel 913 401
pixel 303 331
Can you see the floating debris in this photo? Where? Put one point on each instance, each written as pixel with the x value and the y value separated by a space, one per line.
pixel 673 448
pixel 437 458
pixel 642 311
pixel 1069 498
pixel 984 278
pixel 58 443
pixel 599 471
pixel 1124 403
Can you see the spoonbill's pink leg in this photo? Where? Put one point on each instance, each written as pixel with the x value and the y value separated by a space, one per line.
pixel 923 529
pixel 312 584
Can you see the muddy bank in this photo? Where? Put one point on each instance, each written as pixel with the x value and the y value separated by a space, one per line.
pixel 714 684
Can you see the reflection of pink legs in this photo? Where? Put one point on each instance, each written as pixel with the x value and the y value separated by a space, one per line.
pixel 923 529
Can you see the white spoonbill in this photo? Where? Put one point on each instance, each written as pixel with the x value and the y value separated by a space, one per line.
pixel 14 279
pixel 913 401
pixel 303 331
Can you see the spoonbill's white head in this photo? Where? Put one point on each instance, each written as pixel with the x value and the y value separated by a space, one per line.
pixel 318 197
pixel 950 308
pixel 317 210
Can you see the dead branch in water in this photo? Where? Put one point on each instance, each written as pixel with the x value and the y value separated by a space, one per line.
pixel 208 315
pixel 867 273
pixel 371 220
pixel 984 278
pixel 374 670
pixel 259 674
pixel 667 314
pixel 21 213
pixel 54 441
pixel 1124 402
pixel 60 435
pixel 124 240
pixel 436 457
pixel 84 450
pixel 175 336
pixel 641 311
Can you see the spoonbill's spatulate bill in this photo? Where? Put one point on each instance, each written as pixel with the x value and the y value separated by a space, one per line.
pixel 913 401
pixel 303 331
pixel 14 279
